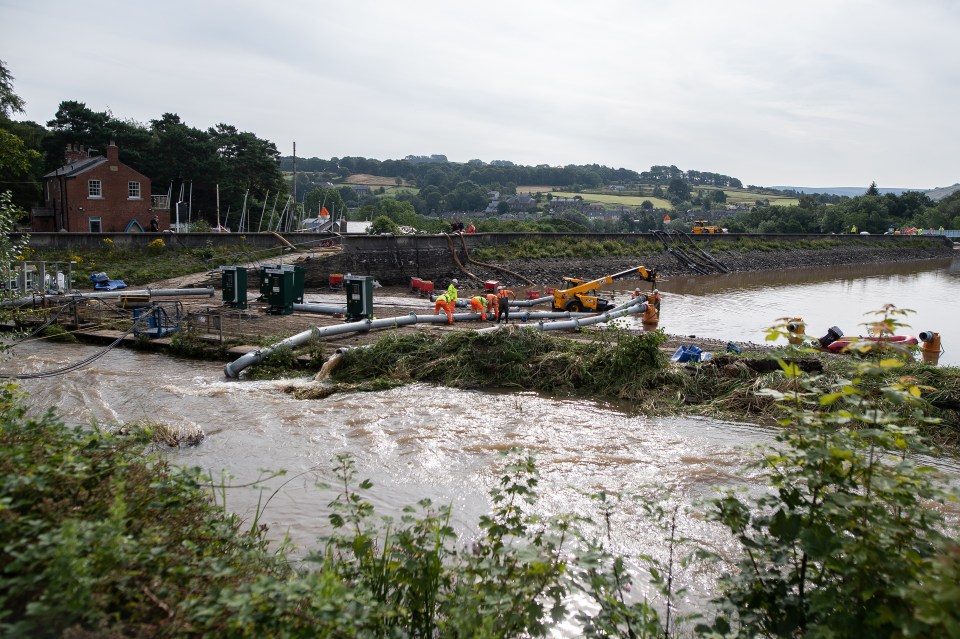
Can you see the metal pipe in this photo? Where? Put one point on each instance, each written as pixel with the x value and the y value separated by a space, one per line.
pixel 233 369
pixel 157 292
pixel 630 308
pixel 533 302
pixel 320 308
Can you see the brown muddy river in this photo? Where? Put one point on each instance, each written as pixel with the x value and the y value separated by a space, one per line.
pixel 423 441
pixel 738 306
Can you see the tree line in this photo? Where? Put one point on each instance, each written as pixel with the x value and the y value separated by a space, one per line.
pixel 223 168
pixel 871 212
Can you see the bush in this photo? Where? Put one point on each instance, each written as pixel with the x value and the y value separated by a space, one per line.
pixel 843 542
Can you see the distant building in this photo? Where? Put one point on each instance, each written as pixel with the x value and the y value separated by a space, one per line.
pixel 345 227
pixel 98 194
pixel 521 202
pixel 615 187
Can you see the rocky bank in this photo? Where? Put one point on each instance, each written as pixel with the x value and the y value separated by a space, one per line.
pixel 549 272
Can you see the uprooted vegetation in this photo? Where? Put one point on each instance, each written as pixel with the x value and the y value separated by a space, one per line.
pixel 625 368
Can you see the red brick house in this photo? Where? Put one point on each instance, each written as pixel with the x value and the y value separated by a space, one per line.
pixel 98 194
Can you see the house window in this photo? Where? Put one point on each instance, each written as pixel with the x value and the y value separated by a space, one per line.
pixel 133 190
pixel 94 188
pixel 95 225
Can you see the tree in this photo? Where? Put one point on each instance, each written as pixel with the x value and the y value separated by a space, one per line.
pixel 678 188
pixel 10 102
pixel 467 196
pixel 20 162
pixel 10 249
pixel 329 199
pixel 383 225
pixel 873 190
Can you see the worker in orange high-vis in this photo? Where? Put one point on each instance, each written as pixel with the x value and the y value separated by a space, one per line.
pixel 503 304
pixel 493 305
pixel 443 302
pixel 478 304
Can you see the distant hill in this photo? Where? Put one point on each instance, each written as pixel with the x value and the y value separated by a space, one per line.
pixel 941 192
pixel 936 194
pixel 849 191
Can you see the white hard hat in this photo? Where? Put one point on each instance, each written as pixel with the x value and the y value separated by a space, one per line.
pixel 454 281
pixel 656 291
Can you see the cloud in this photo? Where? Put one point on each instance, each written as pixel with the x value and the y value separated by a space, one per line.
pixel 823 93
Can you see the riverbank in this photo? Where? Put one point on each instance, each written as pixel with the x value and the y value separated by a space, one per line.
pixel 737 258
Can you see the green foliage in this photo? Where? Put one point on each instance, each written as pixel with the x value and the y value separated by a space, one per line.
pixel 96 535
pixel 98 538
pixel 613 364
pixel 842 542
pixel 569 247
pixel 56 333
pixel 163 262
pixel 383 225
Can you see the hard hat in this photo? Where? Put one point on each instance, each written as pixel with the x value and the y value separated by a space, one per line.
pixel 637 290
pixel 454 281
pixel 654 290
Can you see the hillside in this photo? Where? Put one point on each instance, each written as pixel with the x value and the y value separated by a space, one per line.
pixel 935 194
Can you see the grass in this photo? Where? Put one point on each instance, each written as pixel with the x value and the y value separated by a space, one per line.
pixel 137 267
pixel 612 201
pixel 572 248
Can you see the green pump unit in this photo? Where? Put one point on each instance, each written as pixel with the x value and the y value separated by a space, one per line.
pixel 234 281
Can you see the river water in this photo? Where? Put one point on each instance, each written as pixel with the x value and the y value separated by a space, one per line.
pixel 424 441
pixel 738 306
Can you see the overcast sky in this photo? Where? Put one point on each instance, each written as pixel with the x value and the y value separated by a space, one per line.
pixel 820 93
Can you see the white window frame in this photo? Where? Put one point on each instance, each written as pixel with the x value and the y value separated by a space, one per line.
pixel 133 190
pixel 95 189
pixel 95 220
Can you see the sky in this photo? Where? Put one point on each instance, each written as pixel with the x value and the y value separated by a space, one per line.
pixel 823 93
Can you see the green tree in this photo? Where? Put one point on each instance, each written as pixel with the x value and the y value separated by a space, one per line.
pixel 679 189
pixel 383 225
pixel 873 190
pixel 10 102
pixel 467 196
pixel 327 198
pixel 10 249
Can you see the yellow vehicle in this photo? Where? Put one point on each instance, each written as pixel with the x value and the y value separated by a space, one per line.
pixel 581 295
pixel 703 226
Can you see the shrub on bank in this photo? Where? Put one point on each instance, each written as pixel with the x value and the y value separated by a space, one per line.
pixel 99 538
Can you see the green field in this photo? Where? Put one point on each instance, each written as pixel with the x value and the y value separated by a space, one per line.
pixel 611 200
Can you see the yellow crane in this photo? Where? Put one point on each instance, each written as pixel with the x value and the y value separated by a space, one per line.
pixel 581 295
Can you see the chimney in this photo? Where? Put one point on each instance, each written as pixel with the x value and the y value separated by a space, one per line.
pixel 113 152
pixel 74 154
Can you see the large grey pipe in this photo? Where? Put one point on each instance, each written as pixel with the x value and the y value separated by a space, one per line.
pixel 328 309
pixel 154 292
pixel 233 369
pixel 630 308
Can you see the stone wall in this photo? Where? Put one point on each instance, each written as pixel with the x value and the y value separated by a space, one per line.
pixel 393 260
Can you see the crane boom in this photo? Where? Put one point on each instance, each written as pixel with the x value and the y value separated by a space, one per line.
pixel 581 295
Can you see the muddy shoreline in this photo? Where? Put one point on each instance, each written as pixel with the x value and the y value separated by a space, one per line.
pixel 549 272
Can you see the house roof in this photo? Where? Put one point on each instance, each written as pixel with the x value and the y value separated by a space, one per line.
pixel 75 168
